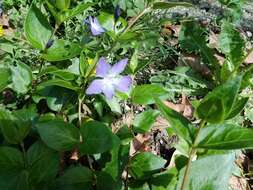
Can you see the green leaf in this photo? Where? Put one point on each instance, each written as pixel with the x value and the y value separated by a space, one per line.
pixel 58 134
pixel 226 137
pixel 37 29
pixel 145 94
pixel 20 181
pixel 114 105
pixel 209 173
pixel 10 159
pixel 125 134
pixel 169 5
pixel 80 8
pixel 5 77
pixel 119 159
pixel 193 39
pixel 143 122
pixel 13 128
pixel 165 180
pixel 62 4
pixel 63 74
pixel 97 138
pixel 21 78
pixel 107 21
pixel 43 163
pixel 57 97
pixel 238 106
pixel 11 167
pixel 57 82
pixel 61 16
pixel 143 165
pixel 180 125
pixel 7 46
pixel 134 61
pixel 62 50
pixel 105 182
pixel 232 45
pixel 76 178
pixel 217 105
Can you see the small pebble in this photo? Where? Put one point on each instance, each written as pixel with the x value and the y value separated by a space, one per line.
pixel 249 34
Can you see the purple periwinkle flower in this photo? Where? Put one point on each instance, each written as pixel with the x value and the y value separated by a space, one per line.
pixel 49 43
pixel 95 27
pixel 110 79
pixel 117 12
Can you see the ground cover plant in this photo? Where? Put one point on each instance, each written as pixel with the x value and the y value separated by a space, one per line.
pixel 78 111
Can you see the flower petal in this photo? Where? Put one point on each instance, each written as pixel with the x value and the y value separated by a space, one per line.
pixel 109 91
pixel 102 67
pixel 96 28
pixel 119 67
pixel 124 84
pixel 96 87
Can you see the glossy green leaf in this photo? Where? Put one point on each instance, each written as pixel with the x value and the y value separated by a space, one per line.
pixel 119 159
pixel 5 77
pixel 10 159
pixel 43 163
pixel 57 82
pixel 169 5
pixel 165 180
pixel 106 182
pixel 226 137
pixel 232 45
pixel 114 105
pixel 37 29
pixel 217 105
pixel 58 134
pixel 63 74
pixel 143 122
pixel 21 78
pixel 97 138
pixel 62 50
pixel 107 21
pixel 62 4
pixel 13 128
pixel 80 8
pixel 145 94
pixel 192 38
pixel 209 173
pixel 237 107
pixel 7 46
pixel 143 165
pixel 61 16
pixel 11 166
pixel 125 134
pixel 180 125
pixel 57 97
pixel 75 178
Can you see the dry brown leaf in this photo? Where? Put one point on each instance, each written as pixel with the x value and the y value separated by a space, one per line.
pixel 4 22
pixel 213 40
pixel 188 108
pixel 249 59
pixel 185 107
pixel 194 61
pixel 220 58
pixel 140 144
pixel 238 183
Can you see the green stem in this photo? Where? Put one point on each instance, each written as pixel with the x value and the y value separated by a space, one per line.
pixel 80 111
pixel 191 156
pixel 24 153
pixel 136 19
